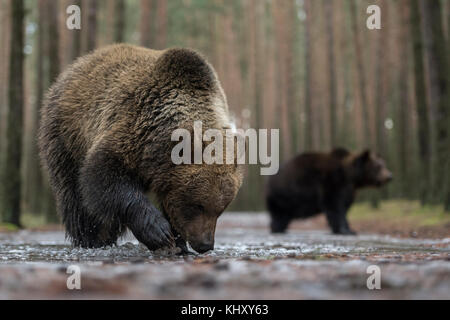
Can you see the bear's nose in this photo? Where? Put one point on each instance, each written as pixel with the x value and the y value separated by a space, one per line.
pixel 203 247
pixel 389 177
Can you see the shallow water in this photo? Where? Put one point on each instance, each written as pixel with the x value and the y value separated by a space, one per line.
pixel 248 262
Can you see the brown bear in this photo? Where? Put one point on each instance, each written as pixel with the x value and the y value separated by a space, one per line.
pixel 312 183
pixel 105 139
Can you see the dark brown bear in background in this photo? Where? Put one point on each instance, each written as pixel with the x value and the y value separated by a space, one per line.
pixel 313 183
pixel 105 139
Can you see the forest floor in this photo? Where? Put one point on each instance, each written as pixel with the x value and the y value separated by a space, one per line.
pixel 248 262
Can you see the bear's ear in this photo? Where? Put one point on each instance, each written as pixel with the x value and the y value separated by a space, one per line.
pixel 361 159
pixel 364 156
pixel 185 68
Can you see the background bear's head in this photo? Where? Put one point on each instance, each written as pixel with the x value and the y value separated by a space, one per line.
pixel 198 196
pixel 370 170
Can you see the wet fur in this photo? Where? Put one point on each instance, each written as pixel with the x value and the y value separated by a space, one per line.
pixel 105 140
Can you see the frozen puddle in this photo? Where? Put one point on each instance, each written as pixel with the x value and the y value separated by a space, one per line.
pixel 248 262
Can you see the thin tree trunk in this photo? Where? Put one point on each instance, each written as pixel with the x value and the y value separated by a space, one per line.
pixel 308 78
pixel 421 102
pixel 32 190
pixel 282 25
pixel 437 55
pixel 11 180
pixel 403 106
pixel 361 73
pixel 145 24
pixel 251 57
pixel 382 82
pixel 66 36
pixel 119 21
pixel 380 102
pixel 161 25
pixel 380 99
pixel 289 15
pixel 76 36
pixel 332 72
pixel 447 193
pixel 52 43
pixel 346 137
pixel 269 96
pixel 91 26
pixel 4 59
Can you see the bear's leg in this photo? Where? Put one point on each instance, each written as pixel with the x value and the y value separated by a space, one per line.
pixel 337 220
pixel 279 225
pixel 63 176
pixel 333 221
pixel 336 208
pixel 279 218
pixel 279 222
pixel 81 229
pixel 346 227
pixel 113 195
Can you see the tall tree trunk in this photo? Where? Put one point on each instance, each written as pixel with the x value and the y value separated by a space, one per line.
pixel 11 180
pixel 382 82
pixel 33 188
pixel 421 102
pixel 309 144
pixel 332 72
pixel 269 83
pixel 231 69
pixel 437 55
pixel 403 106
pixel 346 137
pixel 4 59
pixel 76 36
pixel 119 20
pixel 52 44
pixel 253 14
pixel 66 35
pixel 145 23
pixel 91 26
pixel 447 193
pixel 289 16
pixel 361 73
pixel 282 22
pixel 161 24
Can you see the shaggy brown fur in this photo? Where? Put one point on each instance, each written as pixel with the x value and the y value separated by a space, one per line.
pixel 105 140
pixel 312 183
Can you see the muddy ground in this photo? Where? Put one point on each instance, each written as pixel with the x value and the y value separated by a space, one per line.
pixel 248 263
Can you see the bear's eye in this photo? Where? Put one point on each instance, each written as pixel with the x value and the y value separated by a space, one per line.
pixel 193 211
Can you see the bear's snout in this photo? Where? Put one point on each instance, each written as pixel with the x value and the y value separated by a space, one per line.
pixel 203 247
pixel 386 176
pixel 389 177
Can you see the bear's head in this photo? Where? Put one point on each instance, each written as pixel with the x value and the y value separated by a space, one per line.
pixel 193 196
pixel 369 170
pixel 198 195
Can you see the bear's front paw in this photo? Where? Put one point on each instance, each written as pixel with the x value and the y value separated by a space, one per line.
pixel 161 233
pixel 154 231
pixel 345 232
pixel 348 232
